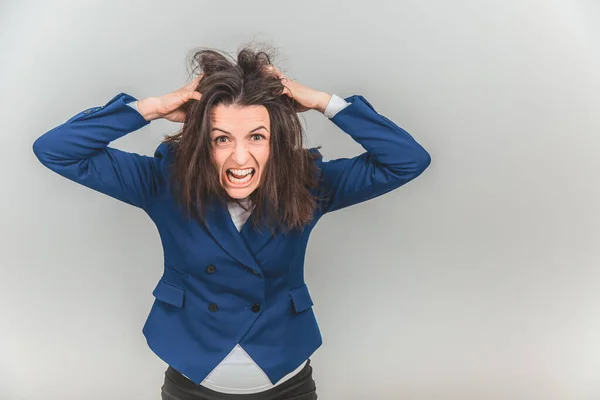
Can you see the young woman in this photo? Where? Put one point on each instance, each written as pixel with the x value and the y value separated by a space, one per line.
pixel 234 196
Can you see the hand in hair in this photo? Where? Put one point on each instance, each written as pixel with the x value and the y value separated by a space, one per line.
pixel 308 98
pixel 170 106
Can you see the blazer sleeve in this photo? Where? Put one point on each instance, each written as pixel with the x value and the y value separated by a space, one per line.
pixel 392 158
pixel 78 150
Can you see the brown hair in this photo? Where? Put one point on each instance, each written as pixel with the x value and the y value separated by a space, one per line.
pixel 283 198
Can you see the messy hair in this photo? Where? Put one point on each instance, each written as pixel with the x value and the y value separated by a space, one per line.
pixel 284 196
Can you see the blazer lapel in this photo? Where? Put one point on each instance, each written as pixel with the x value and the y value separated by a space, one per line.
pixel 222 229
pixel 255 238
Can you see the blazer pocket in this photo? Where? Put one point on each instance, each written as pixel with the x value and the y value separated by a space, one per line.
pixel 301 299
pixel 169 293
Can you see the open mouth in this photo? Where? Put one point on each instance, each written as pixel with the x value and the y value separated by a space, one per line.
pixel 240 177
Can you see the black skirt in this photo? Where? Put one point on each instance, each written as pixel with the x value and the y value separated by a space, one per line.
pixel 299 387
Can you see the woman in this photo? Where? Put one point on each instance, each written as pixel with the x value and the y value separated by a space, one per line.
pixel 234 196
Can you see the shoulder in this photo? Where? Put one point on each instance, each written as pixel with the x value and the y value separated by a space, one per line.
pixel 164 151
pixel 164 155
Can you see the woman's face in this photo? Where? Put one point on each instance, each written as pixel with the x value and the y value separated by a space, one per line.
pixel 240 139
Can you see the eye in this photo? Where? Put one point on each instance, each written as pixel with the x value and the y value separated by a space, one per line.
pixel 258 136
pixel 221 139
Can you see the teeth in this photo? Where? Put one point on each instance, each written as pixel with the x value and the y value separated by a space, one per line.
pixel 241 172
pixel 242 181
pixel 242 176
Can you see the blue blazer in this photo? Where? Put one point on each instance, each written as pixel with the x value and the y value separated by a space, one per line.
pixel 221 287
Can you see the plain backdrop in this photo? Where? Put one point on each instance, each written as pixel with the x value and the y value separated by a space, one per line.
pixel 478 280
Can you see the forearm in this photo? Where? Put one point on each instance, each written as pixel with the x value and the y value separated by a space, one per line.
pixel 392 158
pixel 323 100
pixel 146 108
pixel 390 146
pixel 79 150
pixel 88 132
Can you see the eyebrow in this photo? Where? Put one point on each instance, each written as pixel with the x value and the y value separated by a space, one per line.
pixel 253 130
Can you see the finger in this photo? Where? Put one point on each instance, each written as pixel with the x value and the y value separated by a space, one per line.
pixel 194 83
pixel 275 71
pixel 194 95
pixel 281 76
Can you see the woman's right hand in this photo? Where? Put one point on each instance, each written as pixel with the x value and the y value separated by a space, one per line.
pixel 170 105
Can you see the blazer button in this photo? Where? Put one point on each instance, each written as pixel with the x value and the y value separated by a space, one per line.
pixel 256 308
pixel 213 307
pixel 211 269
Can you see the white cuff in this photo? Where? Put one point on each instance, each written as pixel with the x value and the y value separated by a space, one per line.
pixel 133 104
pixel 335 105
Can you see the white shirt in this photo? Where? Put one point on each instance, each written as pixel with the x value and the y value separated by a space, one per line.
pixel 237 373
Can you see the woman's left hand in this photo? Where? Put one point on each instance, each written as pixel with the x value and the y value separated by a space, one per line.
pixel 307 98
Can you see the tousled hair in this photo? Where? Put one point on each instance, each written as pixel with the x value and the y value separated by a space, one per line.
pixel 284 196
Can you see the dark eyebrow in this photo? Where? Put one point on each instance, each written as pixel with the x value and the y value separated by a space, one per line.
pixel 253 130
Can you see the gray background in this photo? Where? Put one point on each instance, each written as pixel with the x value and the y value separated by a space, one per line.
pixel 478 280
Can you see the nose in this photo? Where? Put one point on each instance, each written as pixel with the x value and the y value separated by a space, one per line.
pixel 240 154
